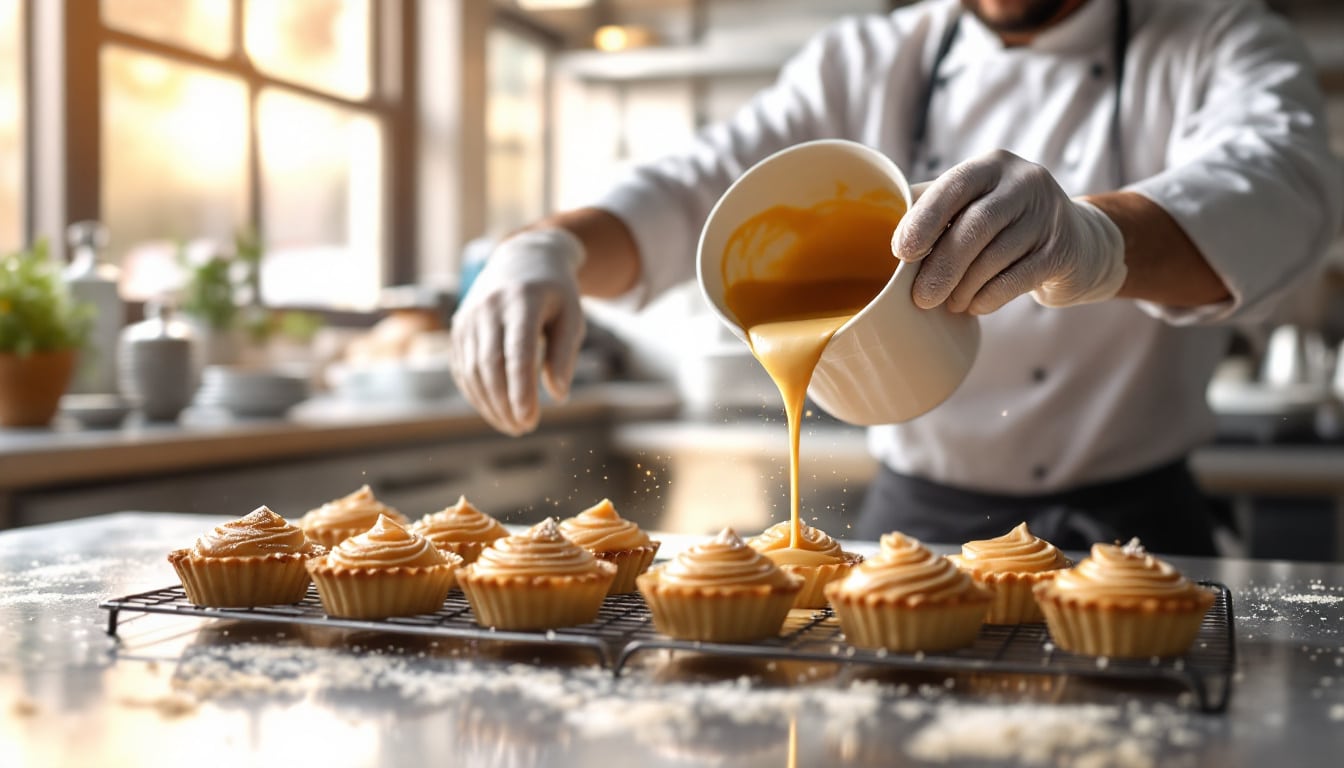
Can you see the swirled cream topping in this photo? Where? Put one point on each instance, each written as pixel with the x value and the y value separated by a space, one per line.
pixel 600 529
pixel 723 561
pixel 1017 550
pixel 815 547
pixel 257 534
pixel 385 545
pixel 358 510
pixel 460 522
pixel 1128 571
pixel 539 551
pixel 905 569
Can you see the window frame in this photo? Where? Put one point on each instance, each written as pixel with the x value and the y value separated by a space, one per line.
pixel 550 44
pixel 74 34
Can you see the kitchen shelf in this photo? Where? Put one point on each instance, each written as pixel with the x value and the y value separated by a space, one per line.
pixel 624 629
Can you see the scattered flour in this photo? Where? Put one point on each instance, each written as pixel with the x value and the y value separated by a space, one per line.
pixel 1313 599
pixel 1094 736
pixel 589 703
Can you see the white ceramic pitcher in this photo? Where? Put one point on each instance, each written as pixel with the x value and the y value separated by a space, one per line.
pixel 892 361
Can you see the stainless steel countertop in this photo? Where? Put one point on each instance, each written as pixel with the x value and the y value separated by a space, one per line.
pixel 179 691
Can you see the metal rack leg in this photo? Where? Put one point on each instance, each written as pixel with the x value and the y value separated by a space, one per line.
pixel 112 621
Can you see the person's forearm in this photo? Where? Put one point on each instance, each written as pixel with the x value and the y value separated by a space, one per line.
pixel 612 264
pixel 1164 265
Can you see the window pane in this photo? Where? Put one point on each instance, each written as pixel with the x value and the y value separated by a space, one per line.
pixel 174 155
pixel 203 25
pixel 323 44
pixel 11 126
pixel 322 191
pixel 515 131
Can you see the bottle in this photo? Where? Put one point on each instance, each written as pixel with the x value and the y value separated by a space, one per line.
pixel 94 282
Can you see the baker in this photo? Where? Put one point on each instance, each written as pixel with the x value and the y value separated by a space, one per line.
pixel 1113 183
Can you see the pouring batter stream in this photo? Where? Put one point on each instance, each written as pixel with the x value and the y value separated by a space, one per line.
pixel 793 278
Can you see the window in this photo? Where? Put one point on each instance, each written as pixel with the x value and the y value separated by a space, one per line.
pixel 216 115
pixel 11 125
pixel 516 119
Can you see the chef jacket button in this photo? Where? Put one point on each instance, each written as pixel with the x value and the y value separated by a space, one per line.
pixel 1038 375
pixel 1039 471
pixel 1098 69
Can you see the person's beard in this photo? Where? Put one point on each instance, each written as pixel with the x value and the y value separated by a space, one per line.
pixel 1019 16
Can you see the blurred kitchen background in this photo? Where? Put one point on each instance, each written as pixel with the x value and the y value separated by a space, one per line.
pixel 292 194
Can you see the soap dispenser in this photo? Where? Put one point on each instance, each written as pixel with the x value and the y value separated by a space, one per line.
pixel 95 282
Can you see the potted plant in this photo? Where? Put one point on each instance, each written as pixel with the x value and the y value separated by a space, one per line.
pixel 222 299
pixel 41 329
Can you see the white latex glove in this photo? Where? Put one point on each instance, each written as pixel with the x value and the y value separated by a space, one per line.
pixel 524 302
pixel 995 227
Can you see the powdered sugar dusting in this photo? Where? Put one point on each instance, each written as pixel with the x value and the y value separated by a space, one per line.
pixel 1134 548
pixel 546 530
pixel 728 538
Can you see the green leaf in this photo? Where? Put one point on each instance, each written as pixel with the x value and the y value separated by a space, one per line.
pixel 37 312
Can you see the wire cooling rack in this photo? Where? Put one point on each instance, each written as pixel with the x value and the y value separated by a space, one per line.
pixel 624 629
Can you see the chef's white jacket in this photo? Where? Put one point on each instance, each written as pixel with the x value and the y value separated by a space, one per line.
pixel 1222 126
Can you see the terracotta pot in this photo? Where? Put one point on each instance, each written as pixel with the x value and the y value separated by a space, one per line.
pixel 31 387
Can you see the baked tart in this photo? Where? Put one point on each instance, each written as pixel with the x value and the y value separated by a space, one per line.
pixel 817 560
pixel 1011 566
pixel 719 591
pixel 1123 602
pixel 461 529
pixel 351 515
pixel 537 579
pixel 385 571
pixel 600 530
pixel 257 559
pixel 906 599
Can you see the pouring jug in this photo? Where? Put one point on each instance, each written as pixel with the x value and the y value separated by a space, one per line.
pixel 890 362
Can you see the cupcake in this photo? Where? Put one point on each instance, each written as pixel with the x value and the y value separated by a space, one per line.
pixel 536 580
pixel 817 559
pixel 385 571
pixel 1123 602
pixel 908 599
pixel 338 520
pixel 620 542
pixel 719 591
pixel 1010 566
pixel 461 529
pixel 254 560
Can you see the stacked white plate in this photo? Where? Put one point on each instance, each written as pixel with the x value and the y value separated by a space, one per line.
pixel 251 392
pixel 391 381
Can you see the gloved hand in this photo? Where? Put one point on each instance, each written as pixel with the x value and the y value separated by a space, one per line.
pixel 995 227
pixel 524 304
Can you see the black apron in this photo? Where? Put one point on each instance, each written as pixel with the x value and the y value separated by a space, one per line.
pixel 1163 507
